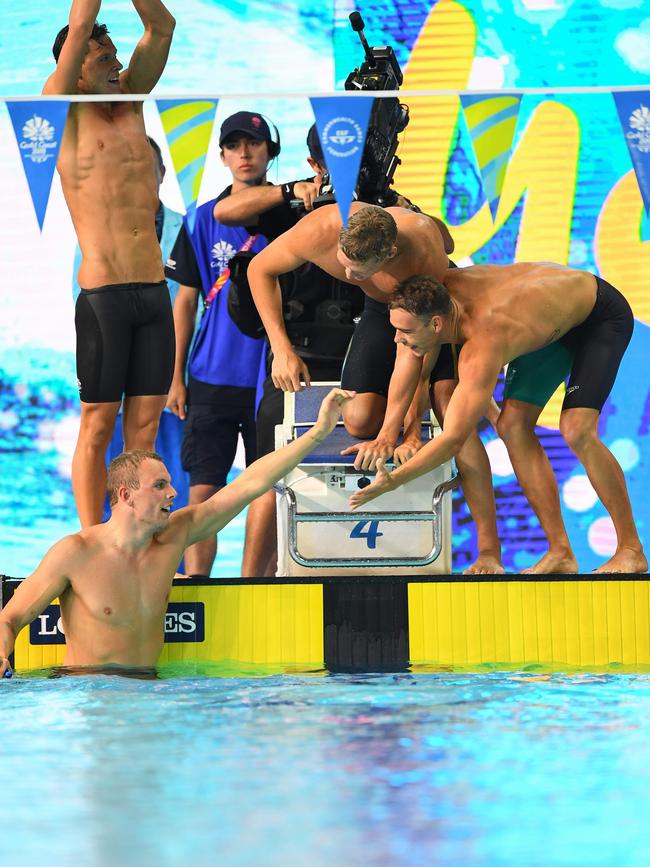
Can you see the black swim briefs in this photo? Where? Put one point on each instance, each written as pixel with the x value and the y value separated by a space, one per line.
pixel 589 355
pixel 125 341
pixel 599 344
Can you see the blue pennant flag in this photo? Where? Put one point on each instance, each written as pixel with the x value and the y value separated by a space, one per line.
pixel 634 113
pixel 38 127
pixel 342 123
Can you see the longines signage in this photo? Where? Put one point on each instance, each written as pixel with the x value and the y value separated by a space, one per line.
pixel 184 621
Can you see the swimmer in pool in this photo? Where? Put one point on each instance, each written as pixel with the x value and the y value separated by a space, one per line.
pixel 113 580
pixel 501 314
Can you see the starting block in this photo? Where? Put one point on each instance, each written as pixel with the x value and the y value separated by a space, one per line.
pixel 407 529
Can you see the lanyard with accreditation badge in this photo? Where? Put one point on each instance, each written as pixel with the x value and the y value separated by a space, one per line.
pixel 225 274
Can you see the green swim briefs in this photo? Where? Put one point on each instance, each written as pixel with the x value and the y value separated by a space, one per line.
pixel 534 377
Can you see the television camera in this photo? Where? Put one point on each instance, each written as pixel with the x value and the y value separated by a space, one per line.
pixel 388 118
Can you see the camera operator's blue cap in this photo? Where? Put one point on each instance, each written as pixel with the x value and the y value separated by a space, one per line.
pixel 247 122
pixel 314 145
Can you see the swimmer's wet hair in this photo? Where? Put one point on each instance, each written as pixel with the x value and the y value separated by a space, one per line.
pixel 123 471
pixel 371 233
pixel 99 30
pixel 421 296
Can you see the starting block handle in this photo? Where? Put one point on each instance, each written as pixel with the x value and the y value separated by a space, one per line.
pixel 438 494
pixel 313 517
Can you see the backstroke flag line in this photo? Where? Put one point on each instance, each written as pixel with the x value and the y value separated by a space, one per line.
pixel 492 120
pixel 342 123
pixel 188 127
pixel 38 127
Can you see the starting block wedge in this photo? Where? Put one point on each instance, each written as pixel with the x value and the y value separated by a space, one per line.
pixel 408 529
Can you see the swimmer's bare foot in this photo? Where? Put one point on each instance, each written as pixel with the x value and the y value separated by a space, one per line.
pixel 554 563
pixel 485 564
pixel 629 560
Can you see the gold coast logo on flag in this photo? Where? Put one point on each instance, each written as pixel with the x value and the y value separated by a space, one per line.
pixel 639 134
pixel 38 140
pixel 342 137
pixel 38 129
pixel 634 116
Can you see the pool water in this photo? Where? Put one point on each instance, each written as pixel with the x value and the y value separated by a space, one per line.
pixel 511 769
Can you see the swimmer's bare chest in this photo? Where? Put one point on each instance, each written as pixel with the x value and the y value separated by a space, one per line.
pixel 106 149
pixel 107 175
pixel 116 596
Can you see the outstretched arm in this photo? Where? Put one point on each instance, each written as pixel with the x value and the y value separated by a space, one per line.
pixel 403 384
pixel 48 581
pixel 477 375
pixel 65 78
pixel 150 55
pixel 244 205
pixel 237 208
pixel 209 517
pixel 412 441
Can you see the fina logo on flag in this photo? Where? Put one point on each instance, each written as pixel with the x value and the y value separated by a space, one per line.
pixel 346 138
pixel 639 135
pixel 38 140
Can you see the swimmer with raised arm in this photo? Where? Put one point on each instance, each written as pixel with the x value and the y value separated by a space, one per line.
pixel 123 316
pixel 113 580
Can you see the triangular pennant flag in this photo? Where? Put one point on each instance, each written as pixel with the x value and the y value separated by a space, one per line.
pixel 342 123
pixel 38 127
pixel 634 113
pixel 188 127
pixel 492 120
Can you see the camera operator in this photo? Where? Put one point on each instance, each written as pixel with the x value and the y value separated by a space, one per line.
pixel 218 401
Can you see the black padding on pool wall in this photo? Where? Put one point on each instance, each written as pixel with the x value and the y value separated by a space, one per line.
pixel 365 626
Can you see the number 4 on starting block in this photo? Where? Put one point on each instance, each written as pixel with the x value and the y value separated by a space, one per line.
pixel 371 534
pixel 317 532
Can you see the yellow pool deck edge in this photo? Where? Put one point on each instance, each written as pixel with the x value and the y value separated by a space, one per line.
pixel 556 624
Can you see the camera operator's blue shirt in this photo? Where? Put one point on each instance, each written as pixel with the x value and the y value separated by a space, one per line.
pixel 221 354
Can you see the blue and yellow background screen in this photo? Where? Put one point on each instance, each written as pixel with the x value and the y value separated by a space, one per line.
pixel 570 195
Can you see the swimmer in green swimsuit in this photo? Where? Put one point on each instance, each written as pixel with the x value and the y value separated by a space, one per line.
pixel 518 315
